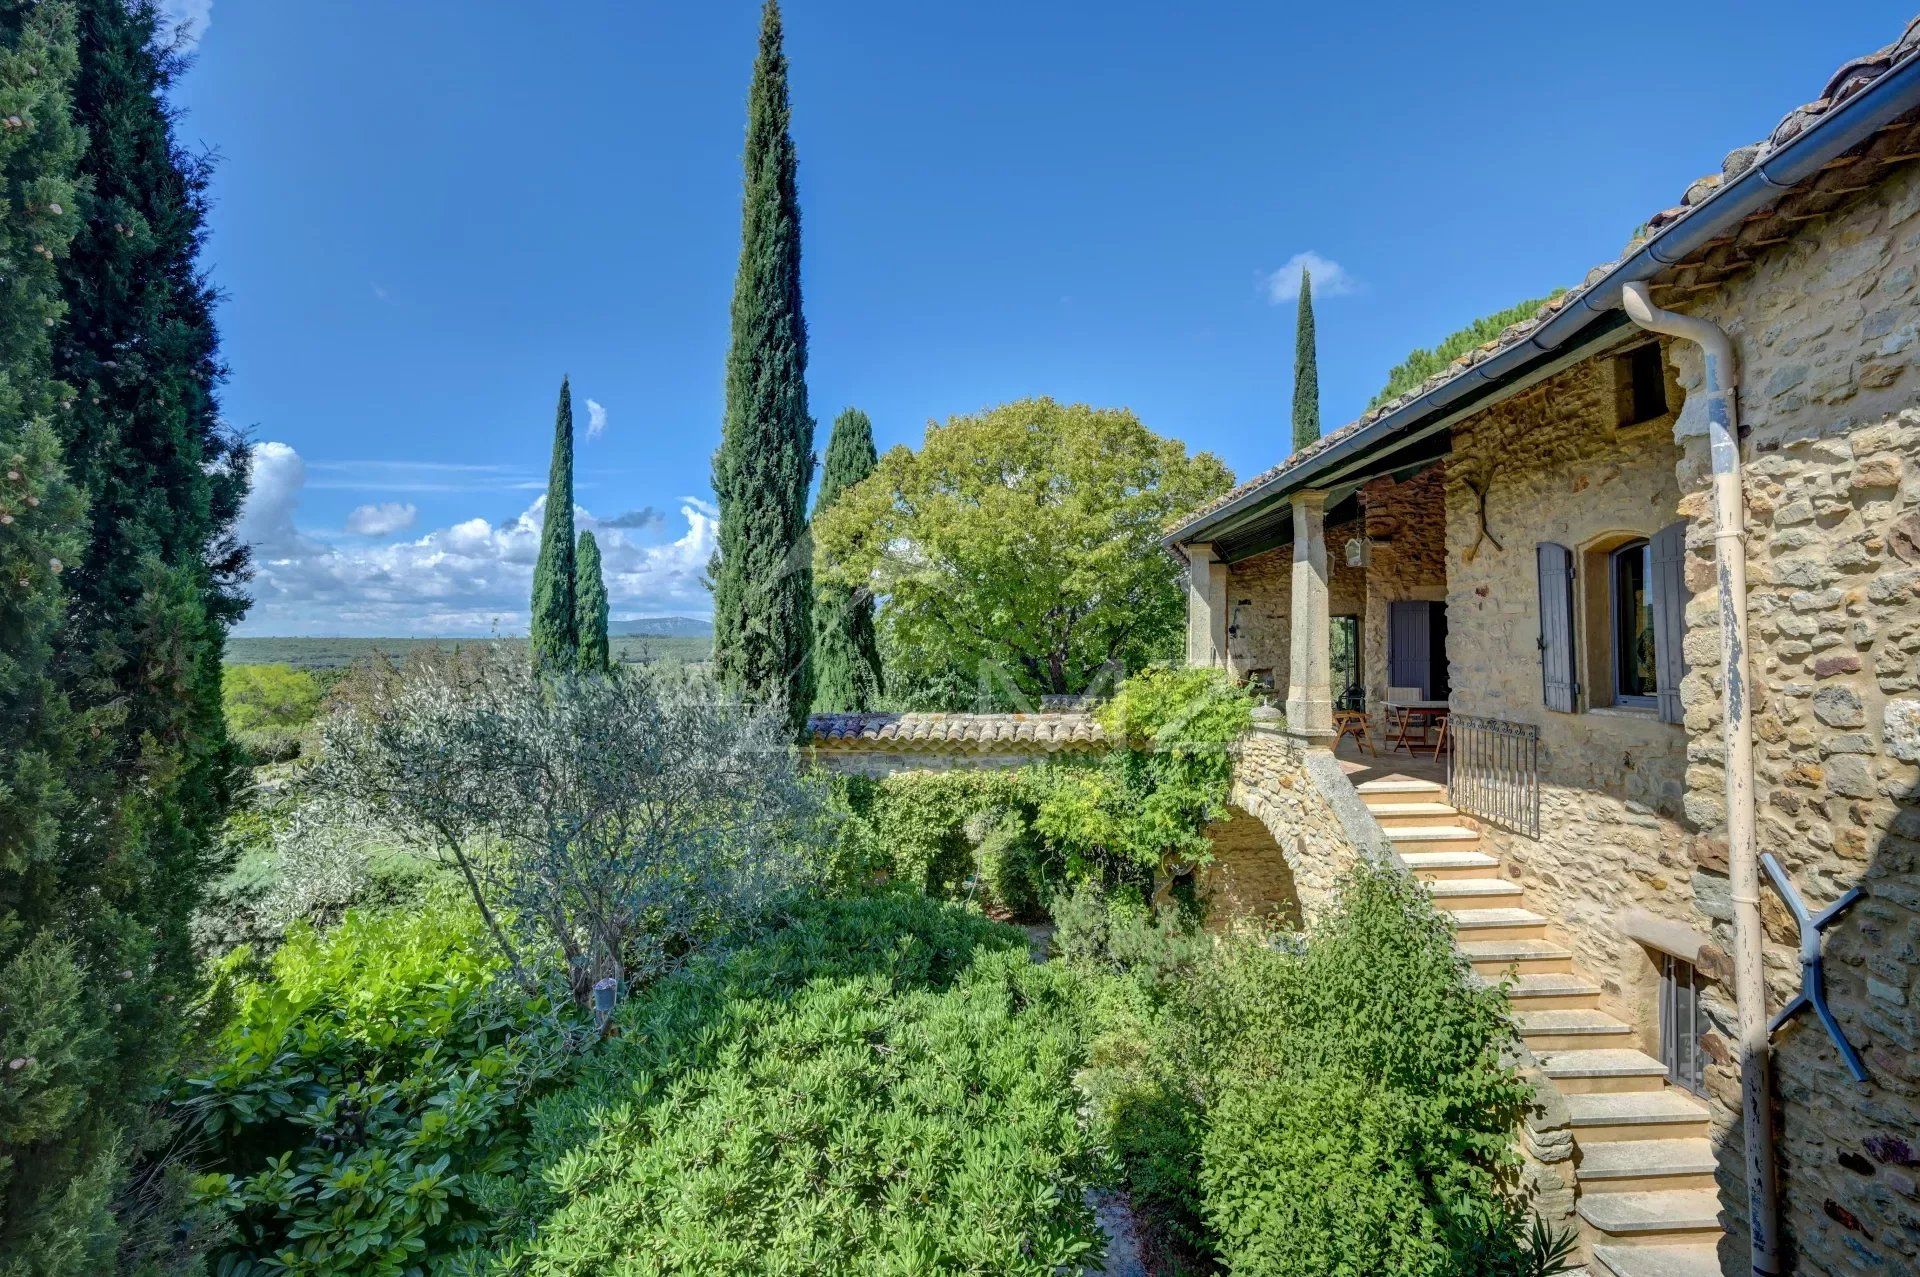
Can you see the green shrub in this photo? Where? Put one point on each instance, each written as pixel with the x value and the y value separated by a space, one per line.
pixel 365 1094
pixel 260 697
pixel 882 1086
pixel 1338 1106
pixel 1021 836
pixel 263 746
pixel 1371 1128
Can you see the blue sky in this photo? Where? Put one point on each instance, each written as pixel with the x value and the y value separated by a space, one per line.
pixel 426 211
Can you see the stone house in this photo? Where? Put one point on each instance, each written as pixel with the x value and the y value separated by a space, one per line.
pixel 1550 537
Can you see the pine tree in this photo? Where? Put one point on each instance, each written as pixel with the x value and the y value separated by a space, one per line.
pixel 590 606
pixel 1306 371
pixel 58 1155
pixel 846 652
pixel 762 572
pixel 555 636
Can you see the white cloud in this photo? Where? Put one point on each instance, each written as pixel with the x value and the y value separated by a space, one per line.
pixel 596 419
pixel 188 20
pixel 1330 278
pixel 266 519
pixel 382 518
pixel 467 578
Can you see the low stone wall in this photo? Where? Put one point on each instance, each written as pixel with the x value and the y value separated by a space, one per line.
pixel 1310 810
pixel 876 745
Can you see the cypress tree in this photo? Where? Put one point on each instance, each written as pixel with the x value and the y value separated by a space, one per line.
pixel 1306 371
pixel 555 637
pixel 158 580
pixel 59 1156
pixel 590 606
pixel 762 571
pixel 846 652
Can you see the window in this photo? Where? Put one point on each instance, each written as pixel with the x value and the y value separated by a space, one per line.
pixel 1641 382
pixel 1680 1024
pixel 1345 652
pixel 1636 677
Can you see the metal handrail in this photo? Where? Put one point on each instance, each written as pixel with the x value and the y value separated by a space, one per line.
pixel 1493 771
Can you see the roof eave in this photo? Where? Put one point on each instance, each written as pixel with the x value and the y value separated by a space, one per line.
pixel 1841 129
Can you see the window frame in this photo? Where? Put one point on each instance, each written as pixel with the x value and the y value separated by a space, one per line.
pixel 1618 648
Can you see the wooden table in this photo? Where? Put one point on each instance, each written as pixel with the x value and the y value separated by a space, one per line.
pixel 1422 712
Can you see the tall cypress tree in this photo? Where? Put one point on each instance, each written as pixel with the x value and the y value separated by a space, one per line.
pixel 555 634
pixel 590 606
pixel 762 572
pixel 846 652
pixel 58 1150
pixel 1306 371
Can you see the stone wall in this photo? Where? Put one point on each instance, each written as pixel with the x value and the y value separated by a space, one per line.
pixel 1555 465
pixel 1825 329
pixel 1311 813
pixel 875 763
pixel 1406 531
pixel 1260 602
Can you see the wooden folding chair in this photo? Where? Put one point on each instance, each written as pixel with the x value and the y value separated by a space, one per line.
pixel 1401 720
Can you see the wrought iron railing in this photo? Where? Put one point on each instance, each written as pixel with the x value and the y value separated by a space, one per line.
pixel 1493 771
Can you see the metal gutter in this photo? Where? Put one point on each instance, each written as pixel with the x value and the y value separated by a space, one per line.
pixel 1795 161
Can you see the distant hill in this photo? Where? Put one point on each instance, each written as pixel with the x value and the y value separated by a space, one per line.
pixel 338 653
pixel 663 627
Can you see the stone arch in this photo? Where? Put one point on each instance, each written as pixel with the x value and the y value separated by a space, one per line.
pixel 1251 875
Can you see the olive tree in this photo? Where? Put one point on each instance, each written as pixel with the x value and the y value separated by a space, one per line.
pixel 608 821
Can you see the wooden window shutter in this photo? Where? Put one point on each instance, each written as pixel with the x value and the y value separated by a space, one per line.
pixel 1410 646
pixel 1557 683
pixel 1669 587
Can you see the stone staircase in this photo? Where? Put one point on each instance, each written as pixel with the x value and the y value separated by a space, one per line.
pixel 1646 1198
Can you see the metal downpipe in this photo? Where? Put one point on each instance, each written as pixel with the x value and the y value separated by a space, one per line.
pixel 1721 391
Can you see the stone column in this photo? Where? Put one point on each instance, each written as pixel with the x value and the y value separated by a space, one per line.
pixel 1310 670
pixel 1206 607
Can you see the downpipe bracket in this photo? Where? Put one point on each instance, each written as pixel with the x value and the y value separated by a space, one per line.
pixel 1813 978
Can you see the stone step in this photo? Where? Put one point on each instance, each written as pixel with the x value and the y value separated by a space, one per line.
pixel 1604 1070
pixel 1475 893
pixel 1667 1216
pixel 1498 924
pixel 1394 814
pixel 1498 956
pixel 1571 1030
pixel 1552 991
pixel 1444 866
pixel 1629 1166
pixel 1636 1115
pixel 1700 1259
pixel 1433 838
pixel 1389 793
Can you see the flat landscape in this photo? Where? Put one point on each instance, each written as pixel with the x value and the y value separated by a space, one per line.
pixel 338 653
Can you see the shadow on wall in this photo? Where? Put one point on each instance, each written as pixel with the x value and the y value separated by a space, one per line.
pixel 1250 876
pixel 1849 1152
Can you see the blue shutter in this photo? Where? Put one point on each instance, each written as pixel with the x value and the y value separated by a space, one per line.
pixel 1669 587
pixel 1558 686
pixel 1410 646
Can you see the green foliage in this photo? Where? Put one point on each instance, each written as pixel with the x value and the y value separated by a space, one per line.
pixel 761 573
pixel 846 651
pixel 364 1109
pixel 1017 552
pixel 554 637
pixel 120 488
pixel 884 1086
pixel 1020 836
pixel 59 1156
pixel 1306 371
pixel 1422 364
pixel 590 607
pixel 257 696
pixel 1334 1107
